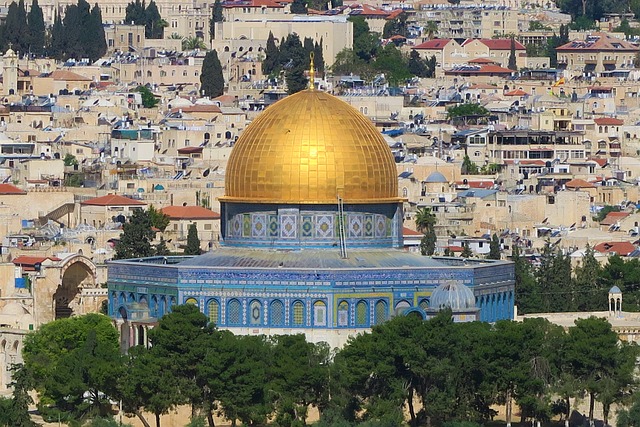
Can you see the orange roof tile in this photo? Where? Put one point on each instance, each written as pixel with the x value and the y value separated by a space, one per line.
pixel 517 92
pixel 32 260
pixel 189 212
pixel 608 121
pixel 409 232
pixel 579 183
pixel 6 189
pixel 434 44
pixel 69 76
pixel 613 217
pixel 599 42
pixel 113 200
pixel 620 248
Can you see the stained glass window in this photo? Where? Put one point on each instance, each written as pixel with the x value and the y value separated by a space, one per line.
pixel 298 313
pixel 214 311
pixel 277 313
pixel 424 304
pixel 319 313
pixel 361 314
pixel 343 314
pixel 191 301
pixel 234 311
pixel 381 312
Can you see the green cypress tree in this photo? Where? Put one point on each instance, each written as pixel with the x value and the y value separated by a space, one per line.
pixel 295 61
pixel 97 43
pixel 512 56
pixel 271 60
pixel 35 22
pixel 466 251
pixel 135 13
pixel 161 248
pixel 216 16
pixel 57 41
pixel 417 65
pixel 211 78
pixel 154 25
pixel 16 30
pixel 494 247
pixel 193 242
pixel 318 57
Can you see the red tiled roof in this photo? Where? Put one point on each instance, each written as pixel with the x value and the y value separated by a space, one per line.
pixel 455 248
pixel 497 44
pixel 113 200
pixel 62 75
pixel 608 121
pixel 10 189
pixel 599 42
pixel 517 92
pixel 600 162
pixel 579 183
pixel 394 14
pixel 620 248
pixel 433 44
pixel 409 232
pixel 613 217
pixel 32 260
pixel 189 212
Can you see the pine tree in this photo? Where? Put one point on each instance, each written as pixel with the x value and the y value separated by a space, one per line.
pixel 494 247
pixel 417 65
pixel 193 242
pixel 35 22
pixel 271 60
pixel 512 56
pixel 136 237
pixel 295 62
pixel 211 78
pixel 527 298
pixel 588 292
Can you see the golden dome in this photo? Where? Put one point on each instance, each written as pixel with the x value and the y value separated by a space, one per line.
pixel 309 148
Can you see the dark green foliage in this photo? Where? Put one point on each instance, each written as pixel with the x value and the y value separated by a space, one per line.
pixel 193 242
pixel 15 411
pixel 35 22
pixel 299 7
pixel 16 30
pixel 396 27
pixel 136 237
pixel 161 248
pixel 153 23
pixel 417 66
pixel 553 279
pixel 70 357
pixel 468 167
pixel 216 16
pixel 526 296
pixel 293 58
pixel 494 247
pixel 70 160
pixel 425 223
pixel 318 57
pixel 211 78
pixel 512 56
pixel 148 99
pixel 466 110
pixel 271 60
pixel 391 62
pixel 80 34
pixel 134 14
pixel 57 45
pixel 466 251
pixel 555 41
pixel 158 219
pixel 365 43
pixel 589 293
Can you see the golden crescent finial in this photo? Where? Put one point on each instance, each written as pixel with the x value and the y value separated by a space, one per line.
pixel 312 73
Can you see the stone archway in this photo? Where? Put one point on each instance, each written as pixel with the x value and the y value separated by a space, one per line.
pixel 77 274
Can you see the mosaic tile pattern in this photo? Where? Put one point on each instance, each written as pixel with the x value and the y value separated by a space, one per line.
pixel 259 226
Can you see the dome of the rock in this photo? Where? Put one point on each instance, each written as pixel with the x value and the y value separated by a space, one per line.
pixel 311 148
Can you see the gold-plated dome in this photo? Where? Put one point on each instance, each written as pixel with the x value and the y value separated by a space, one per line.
pixel 311 147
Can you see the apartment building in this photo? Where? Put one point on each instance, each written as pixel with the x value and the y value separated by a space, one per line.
pixel 597 54
pixel 470 22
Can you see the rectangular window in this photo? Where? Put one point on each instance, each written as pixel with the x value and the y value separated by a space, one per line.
pixel 207 226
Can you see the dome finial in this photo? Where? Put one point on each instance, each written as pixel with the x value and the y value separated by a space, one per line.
pixel 312 73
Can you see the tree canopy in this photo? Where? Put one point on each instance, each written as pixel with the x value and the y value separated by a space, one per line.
pixel 211 77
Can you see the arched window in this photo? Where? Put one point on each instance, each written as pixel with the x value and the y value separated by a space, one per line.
pixel 424 304
pixel 405 192
pixel 121 298
pixel 277 313
pixel 361 314
pixel 298 313
pixel 343 313
pixel 234 313
pixel 162 309
pixel 191 301
pixel 154 306
pixel 255 312
pixel 380 312
pixel 401 307
pixel 319 313
pixel 132 297
pixel 214 311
